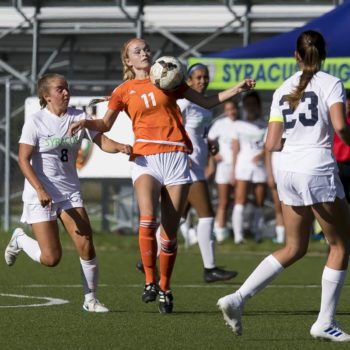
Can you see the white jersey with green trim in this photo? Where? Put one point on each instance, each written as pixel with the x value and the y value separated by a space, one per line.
pixel 308 130
pixel 55 153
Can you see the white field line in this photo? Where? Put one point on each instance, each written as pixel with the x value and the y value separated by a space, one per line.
pixel 50 301
pixel 276 286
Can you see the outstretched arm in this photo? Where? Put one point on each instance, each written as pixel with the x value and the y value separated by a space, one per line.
pixel 211 101
pixel 101 125
pixel 110 146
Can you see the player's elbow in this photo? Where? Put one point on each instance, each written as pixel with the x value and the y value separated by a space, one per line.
pixel 344 134
pixel 272 146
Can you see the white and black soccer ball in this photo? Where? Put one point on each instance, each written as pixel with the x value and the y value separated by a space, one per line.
pixel 167 73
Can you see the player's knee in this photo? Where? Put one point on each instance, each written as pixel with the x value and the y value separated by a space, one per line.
pixel 168 245
pixel 296 253
pixel 147 225
pixel 50 260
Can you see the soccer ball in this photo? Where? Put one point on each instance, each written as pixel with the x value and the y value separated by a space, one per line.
pixel 167 73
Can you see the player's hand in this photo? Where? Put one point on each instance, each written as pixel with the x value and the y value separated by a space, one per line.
pixel 258 159
pixel 95 101
pixel 44 198
pixel 213 147
pixel 245 85
pixel 75 127
pixel 218 158
pixel 126 149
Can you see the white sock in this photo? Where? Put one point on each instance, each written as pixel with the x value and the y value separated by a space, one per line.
pixel 265 272
pixel 89 274
pixel 30 246
pixel 220 233
pixel 280 233
pixel 332 283
pixel 206 242
pixel 237 222
pixel 158 240
pixel 258 223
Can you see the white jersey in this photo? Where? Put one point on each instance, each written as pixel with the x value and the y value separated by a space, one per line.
pixel 197 121
pixel 222 131
pixel 195 117
pixel 308 130
pixel 55 153
pixel 250 135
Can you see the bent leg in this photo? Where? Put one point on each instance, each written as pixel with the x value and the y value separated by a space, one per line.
pixel 173 201
pixel 77 225
pixel 47 236
pixel 148 192
pixel 334 219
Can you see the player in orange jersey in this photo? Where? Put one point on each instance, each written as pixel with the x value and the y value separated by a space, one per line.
pixel 160 158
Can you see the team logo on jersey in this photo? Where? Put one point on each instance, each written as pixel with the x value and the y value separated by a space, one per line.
pixel 84 154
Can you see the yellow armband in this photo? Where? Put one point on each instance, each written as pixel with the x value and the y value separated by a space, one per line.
pixel 276 119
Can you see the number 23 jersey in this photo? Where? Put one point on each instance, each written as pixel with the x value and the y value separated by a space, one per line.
pixel 308 130
pixel 54 155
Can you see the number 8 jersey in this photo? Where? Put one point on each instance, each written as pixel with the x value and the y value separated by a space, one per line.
pixel 55 153
pixel 308 130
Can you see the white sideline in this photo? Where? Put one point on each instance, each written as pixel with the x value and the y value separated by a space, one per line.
pixel 50 301
pixel 277 286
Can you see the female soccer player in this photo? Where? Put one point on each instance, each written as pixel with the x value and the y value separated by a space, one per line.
pixel 47 158
pixel 249 165
pixel 303 111
pixel 197 121
pixel 160 158
pixel 222 132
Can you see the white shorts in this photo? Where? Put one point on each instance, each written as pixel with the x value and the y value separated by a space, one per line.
pixel 199 156
pixel 169 168
pixel 248 171
pixel 301 189
pixel 223 173
pixel 34 213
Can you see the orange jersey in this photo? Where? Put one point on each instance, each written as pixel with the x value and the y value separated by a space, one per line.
pixel 156 119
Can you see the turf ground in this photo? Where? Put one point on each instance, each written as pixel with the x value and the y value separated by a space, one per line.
pixel 278 318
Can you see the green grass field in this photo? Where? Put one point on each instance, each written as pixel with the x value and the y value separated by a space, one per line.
pixel 278 318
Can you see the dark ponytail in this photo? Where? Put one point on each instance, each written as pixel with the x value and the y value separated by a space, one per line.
pixel 311 48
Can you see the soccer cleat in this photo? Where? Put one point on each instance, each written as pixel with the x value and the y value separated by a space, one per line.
pixel 149 293
pixel 232 314
pixel 94 305
pixel 12 250
pixel 332 332
pixel 216 274
pixel 165 302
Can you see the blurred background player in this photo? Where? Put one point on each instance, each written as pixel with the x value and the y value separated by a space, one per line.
pixel 47 158
pixel 197 122
pixel 249 165
pixel 222 132
pixel 342 154
pixel 160 167
pixel 305 111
